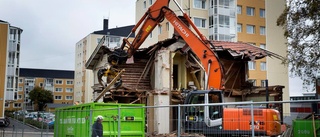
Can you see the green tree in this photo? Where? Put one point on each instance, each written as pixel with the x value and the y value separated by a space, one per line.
pixel 40 97
pixel 301 21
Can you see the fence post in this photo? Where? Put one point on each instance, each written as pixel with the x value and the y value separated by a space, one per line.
pixel 13 129
pixel 119 122
pixel 41 123
pixel 179 124
pixel 252 119
pixel 90 122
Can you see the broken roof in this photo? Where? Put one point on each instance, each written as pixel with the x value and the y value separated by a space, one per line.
pixel 243 50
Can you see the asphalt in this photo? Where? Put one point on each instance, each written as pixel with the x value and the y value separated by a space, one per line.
pixel 18 129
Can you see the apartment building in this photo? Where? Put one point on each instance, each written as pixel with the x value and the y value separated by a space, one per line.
pixel 10 37
pixel 60 82
pixel 84 79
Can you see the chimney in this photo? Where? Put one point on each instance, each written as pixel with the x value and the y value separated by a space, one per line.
pixel 105 24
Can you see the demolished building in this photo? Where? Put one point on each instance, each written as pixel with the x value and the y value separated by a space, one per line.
pixel 156 76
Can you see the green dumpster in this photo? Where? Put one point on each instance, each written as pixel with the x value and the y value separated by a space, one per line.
pixel 77 120
pixel 304 128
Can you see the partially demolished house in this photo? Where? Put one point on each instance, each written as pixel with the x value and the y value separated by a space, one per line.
pixel 157 75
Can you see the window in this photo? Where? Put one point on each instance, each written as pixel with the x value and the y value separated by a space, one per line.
pixel 98 40
pixel 262 30
pixel 150 2
pixel 200 4
pixel 19 96
pixel 159 29
pixel 239 9
pixel 69 97
pixel 20 88
pixel 17 105
pixel 250 29
pixel 250 11
pixel 239 27
pixel 58 89
pixel 199 22
pixel 263 46
pixel 224 21
pixel 59 82
pixel 41 84
pixel 251 65
pixel 253 81
pixel 144 4
pixel 167 26
pixel 69 82
pixel 20 80
pixel 263 83
pixel 263 66
pixel 69 89
pixel 7 105
pixel 262 13
pixel 57 97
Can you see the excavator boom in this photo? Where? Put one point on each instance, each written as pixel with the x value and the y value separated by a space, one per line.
pixel 197 42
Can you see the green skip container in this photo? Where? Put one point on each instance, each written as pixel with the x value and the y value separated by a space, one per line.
pixel 77 120
pixel 304 128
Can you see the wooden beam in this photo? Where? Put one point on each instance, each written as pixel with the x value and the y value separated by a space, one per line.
pixel 109 86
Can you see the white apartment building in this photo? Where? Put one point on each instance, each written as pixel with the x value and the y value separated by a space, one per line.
pixel 83 78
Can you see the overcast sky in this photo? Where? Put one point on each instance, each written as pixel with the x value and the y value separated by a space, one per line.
pixel 52 28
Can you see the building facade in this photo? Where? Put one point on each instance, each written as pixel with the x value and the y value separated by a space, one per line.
pixel 84 79
pixel 10 37
pixel 59 82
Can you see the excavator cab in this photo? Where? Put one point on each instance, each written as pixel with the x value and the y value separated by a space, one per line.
pixel 200 116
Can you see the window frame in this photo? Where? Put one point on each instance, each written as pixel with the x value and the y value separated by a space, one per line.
pixel 202 22
pixel 159 29
pixel 203 4
pixel 20 80
pixel 67 98
pixel 250 11
pixel 263 83
pixel 263 12
pixel 14 105
pixel 69 81
pixel 251 65
pixel 263 66
pixel 55 97
pixel 262 30
pixel 239 9
pixel 253 29
pixel 55 89
pixel 59 82
pixel 253 81
pixel 239 25
pixel 68 91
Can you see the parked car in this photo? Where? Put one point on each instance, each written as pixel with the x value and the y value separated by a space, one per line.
pixel 20 113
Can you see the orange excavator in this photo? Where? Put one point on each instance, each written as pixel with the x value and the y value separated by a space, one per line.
pixel 208 119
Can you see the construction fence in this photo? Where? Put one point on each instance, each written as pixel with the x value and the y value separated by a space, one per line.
pixel 214 119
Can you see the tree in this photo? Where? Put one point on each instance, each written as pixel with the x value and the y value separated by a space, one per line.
pixel 301 21
pixel 40 97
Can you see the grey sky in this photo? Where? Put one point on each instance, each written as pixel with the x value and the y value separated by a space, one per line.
pixel 52 28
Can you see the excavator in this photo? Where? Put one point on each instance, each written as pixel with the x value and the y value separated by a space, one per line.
pixel 211 120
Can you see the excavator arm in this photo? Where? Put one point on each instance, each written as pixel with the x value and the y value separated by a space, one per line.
pixel 197 42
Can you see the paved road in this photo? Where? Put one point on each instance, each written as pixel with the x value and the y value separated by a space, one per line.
pixel 18 129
